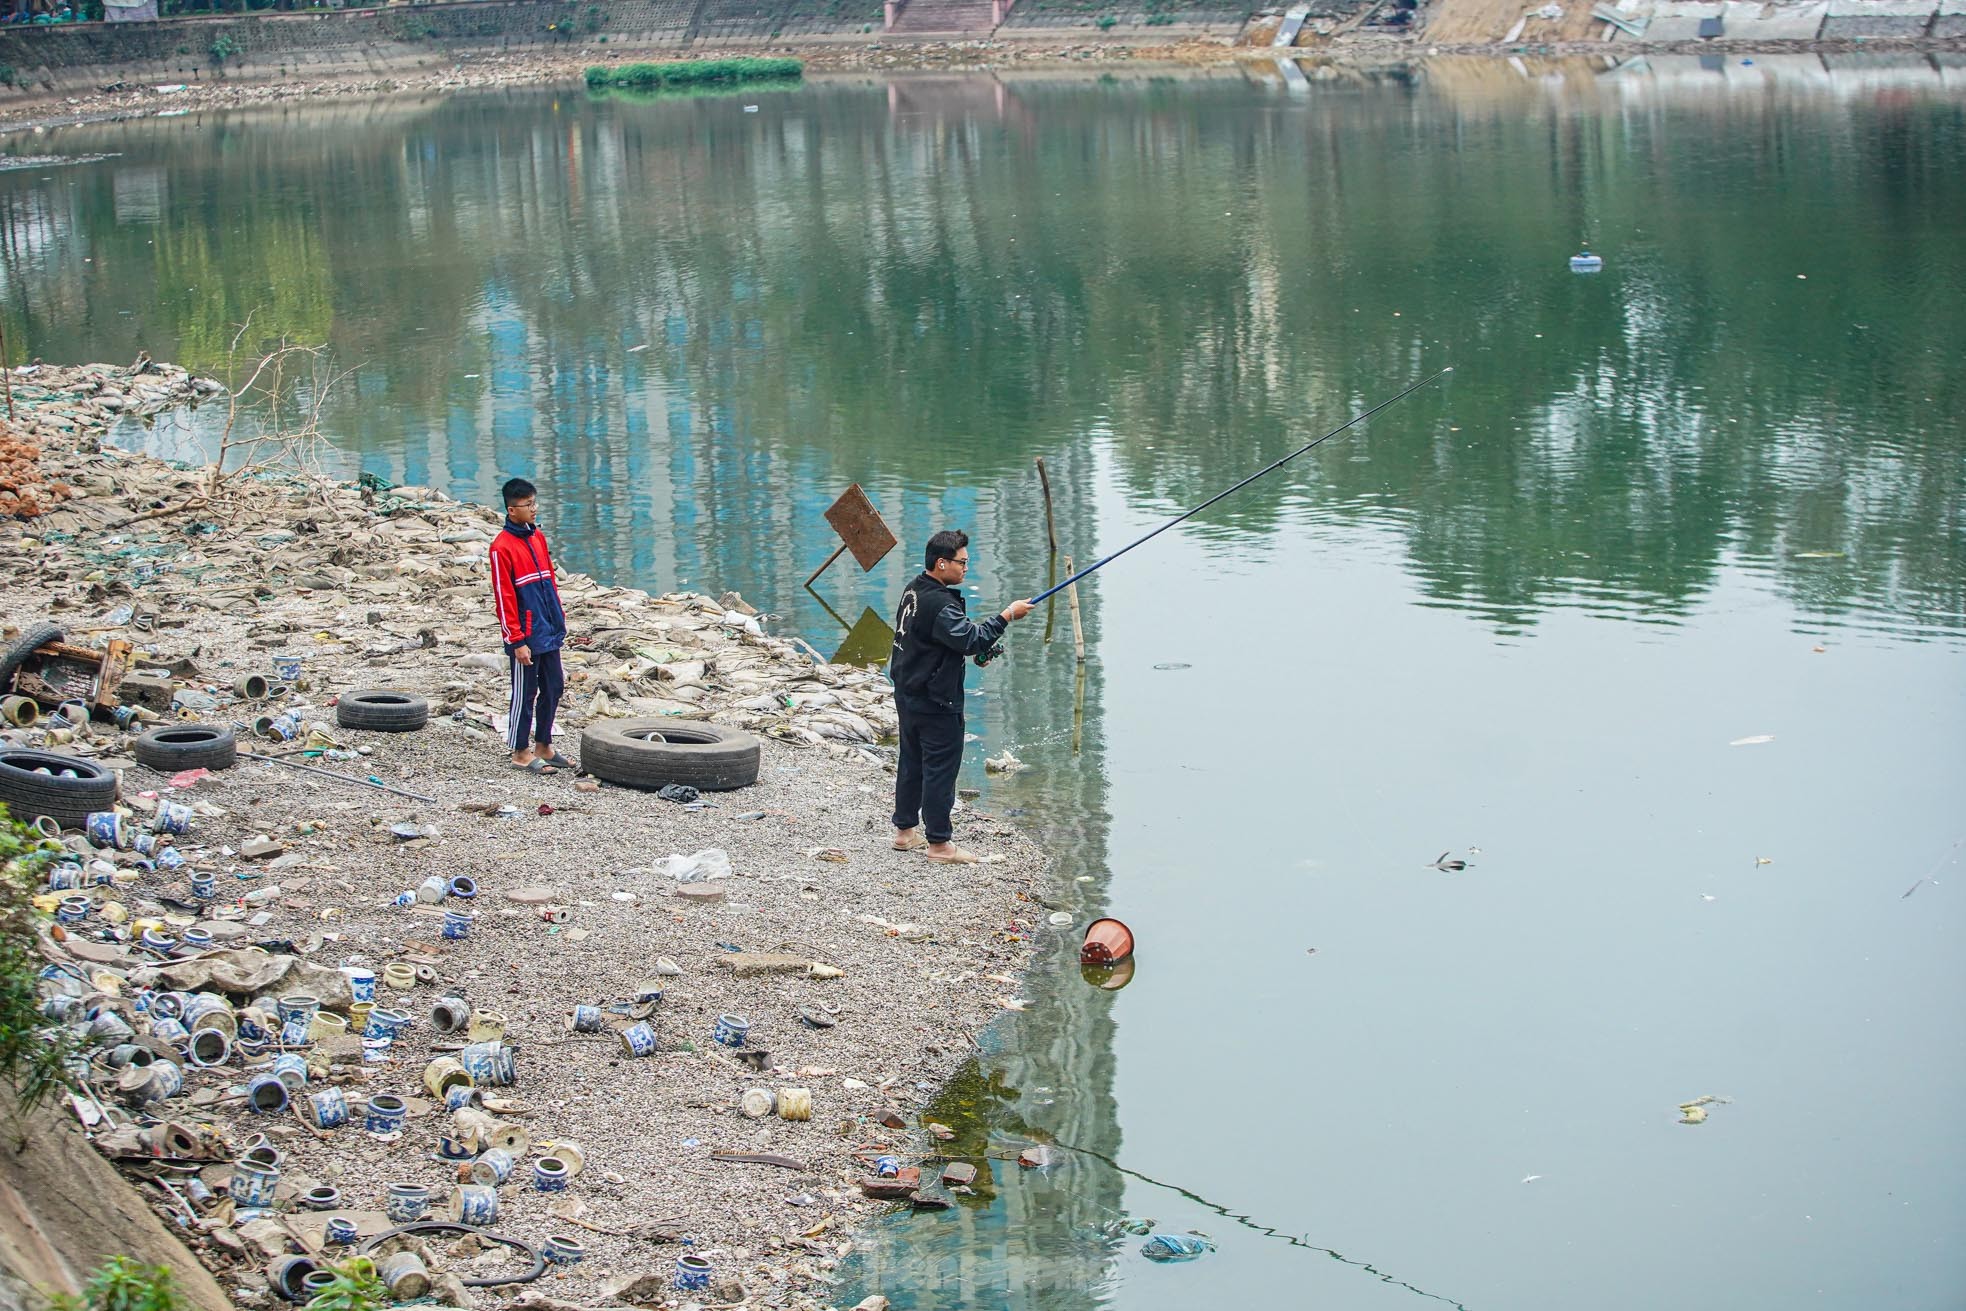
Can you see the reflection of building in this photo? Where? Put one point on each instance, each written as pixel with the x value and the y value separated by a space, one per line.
pixel 1038 1244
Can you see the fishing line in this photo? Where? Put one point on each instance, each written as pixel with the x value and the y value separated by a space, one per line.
pixel 1356 419
pixel 1245 1221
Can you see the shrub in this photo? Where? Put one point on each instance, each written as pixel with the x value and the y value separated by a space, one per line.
pixel 1105 21
pixel 125 1285
pixel 355 1288
pixel 692 72
pixel 224 47
pixel 33 1056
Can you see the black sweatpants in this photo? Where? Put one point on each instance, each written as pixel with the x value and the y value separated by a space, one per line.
pixel 925 780
pixel 536 692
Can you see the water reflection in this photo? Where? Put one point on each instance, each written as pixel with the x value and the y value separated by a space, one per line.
pixel 721 319
pixel 694 327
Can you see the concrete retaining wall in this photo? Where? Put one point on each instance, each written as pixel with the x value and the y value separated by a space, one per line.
pixel 359 41
pixel 1886 18
pixel 1798 20
pixel 1766 22
pixel 1173 22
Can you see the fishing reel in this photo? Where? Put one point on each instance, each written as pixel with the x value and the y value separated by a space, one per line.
pixel 983 658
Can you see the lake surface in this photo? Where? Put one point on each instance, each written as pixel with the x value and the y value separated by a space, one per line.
pixel 1653 611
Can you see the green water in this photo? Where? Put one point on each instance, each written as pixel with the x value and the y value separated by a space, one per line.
pixel 1520 617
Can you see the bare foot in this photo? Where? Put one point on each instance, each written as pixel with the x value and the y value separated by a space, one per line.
pixel 948 853
pixel 522 758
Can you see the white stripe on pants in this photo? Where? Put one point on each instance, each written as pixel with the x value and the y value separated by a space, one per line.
pixel 518 728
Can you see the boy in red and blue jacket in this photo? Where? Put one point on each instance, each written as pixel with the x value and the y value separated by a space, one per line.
pixel 534 625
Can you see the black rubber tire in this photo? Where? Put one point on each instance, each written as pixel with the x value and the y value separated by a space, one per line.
pixel 187 746
pixel 382 711
pixel 17 652
pixel 67 801
pixel 653 753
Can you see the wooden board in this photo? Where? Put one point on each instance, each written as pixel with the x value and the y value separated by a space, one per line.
pixel 861 527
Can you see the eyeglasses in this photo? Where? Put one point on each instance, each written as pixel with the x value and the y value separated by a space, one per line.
pixel 962 560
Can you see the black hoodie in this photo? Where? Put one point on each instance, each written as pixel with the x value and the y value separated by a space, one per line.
pixel 932 635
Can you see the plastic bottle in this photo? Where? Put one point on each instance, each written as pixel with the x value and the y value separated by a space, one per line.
pixel 1176 1247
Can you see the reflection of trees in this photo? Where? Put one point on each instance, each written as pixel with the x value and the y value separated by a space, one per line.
pixel 834 290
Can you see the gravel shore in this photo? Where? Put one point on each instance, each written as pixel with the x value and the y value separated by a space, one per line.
pixel 470 70
pixel 388 591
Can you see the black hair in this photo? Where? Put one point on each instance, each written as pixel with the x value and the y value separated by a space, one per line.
pixel 943 546
pixel 518 490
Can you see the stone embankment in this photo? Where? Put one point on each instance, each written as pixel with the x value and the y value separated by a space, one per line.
pixel 864 972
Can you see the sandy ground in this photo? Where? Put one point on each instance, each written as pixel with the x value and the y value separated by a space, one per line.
pixel 928 954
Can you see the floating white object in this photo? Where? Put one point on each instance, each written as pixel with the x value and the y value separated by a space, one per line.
pixel 1585 262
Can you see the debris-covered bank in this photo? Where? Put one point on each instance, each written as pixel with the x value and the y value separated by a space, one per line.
pixel 862 971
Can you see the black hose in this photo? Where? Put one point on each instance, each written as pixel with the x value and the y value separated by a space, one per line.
pixel 446 1226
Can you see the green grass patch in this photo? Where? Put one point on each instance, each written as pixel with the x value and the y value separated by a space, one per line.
pixel 696 72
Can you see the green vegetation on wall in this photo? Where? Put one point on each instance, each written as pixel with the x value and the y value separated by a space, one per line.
pixel 692 72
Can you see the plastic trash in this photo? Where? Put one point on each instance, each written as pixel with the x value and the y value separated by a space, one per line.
pixel 711 863
pixel 1176 1247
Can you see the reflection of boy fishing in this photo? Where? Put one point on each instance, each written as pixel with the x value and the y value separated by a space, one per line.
pixel 932 636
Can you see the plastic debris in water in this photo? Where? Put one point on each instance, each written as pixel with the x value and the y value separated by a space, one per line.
pixel 1695 1111
pixel 1176 1247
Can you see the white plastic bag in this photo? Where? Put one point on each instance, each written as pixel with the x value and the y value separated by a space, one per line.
pixel 711 863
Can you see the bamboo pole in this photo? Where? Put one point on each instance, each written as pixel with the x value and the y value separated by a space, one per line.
pixel 1078 630
pixel 7 373
pixel 1050 525
pixel 1051 606
pixel 1078 710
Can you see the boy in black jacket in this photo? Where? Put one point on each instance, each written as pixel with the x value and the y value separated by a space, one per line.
pixel 932 637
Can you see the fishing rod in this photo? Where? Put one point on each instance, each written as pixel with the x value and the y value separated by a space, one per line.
pixel 985 657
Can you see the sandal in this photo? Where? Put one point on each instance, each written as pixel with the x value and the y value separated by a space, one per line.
pixel 957 857
pixel 913 842
pixel 541 767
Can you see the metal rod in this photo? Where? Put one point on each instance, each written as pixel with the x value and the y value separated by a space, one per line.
pixel 1358 418
pixel 828 565
pixel 329 773
pixel 7 373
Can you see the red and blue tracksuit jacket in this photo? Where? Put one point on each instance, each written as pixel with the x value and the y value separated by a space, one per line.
pixel 528 601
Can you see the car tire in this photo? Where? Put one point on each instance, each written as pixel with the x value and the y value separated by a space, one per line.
pixel 382 711
pixel 17 652
pixel 653 753
pixel 187 746
pixel 67 789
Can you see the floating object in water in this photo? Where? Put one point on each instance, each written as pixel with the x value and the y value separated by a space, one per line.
pixel 1107 942
pixel 1586 262
pixel 1177 1247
